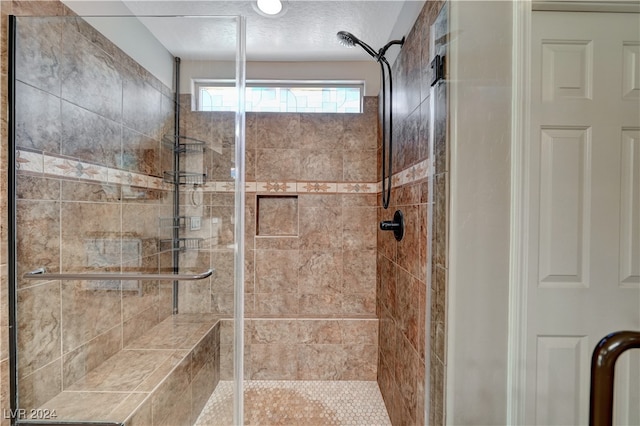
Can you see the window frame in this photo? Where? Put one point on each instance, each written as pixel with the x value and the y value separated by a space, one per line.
pixel 198 84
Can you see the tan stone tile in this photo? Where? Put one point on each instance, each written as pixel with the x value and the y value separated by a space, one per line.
pixel 273 361
pixel 409 247
pixel 360 166
pixel 321 228
pixel 359 271
pixel 322 165
pixel 320 304
pixel 85 406
pixel 136 409
pixel 172 333
pixel 364 331
pixel 320 331
pixel 166 408
pixel 40 386
pixel 321 130
pixel 194 296
pixel 321 362
pixel 388 280
pixel 409 307
pixel 272 331
pixel 359 228
pixel 137 325
pixel 440 221
pixel 276 271
pixel 4 390
pixel 277 164
pixel 207 350
pixel 361 130
pixel 277 130
pixel 276 304
pixel 320 272
pixel 38 243
pixel 90 227
pixel 277 243
pixel 90 355
pixel 359 304
pixel 123 372
pixel 88 310
pixel 39 326
pixel 361 362
pixel 37 188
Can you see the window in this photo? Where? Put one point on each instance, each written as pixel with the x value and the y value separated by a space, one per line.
pixel 264 96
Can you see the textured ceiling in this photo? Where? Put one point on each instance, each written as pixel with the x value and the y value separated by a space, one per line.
pixel 306 31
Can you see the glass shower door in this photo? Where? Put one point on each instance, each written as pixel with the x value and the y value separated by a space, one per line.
pixel 126 219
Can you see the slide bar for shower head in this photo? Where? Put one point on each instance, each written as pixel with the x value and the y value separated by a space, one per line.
pixel 42 274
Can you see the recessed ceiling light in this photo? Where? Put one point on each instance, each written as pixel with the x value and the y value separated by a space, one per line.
pixel 269 7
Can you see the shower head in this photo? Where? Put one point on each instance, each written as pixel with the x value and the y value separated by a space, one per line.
pixel 346 39
pixel 349 40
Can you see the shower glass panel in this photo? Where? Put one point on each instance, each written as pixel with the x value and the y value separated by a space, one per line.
pixel 124 212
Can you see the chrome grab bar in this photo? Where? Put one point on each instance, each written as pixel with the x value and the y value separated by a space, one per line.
pixel 42 274
pixel 603 363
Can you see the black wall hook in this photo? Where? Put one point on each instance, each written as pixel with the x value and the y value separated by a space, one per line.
pixel 396 225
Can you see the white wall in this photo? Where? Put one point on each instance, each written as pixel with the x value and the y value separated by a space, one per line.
pixel 480 101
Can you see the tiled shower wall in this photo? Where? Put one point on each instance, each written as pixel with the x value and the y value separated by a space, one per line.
pixel 309 245
pixel 402 274
pixel 89 122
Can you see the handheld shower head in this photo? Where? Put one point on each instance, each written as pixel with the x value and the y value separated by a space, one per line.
pixel 346 39
pixel 349 40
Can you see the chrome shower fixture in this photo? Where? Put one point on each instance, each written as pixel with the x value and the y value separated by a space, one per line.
pixel 349 40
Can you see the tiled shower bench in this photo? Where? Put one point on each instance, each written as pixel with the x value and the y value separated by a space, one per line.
pixel 164 377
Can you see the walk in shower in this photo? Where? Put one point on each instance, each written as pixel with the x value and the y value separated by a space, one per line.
pixel 171 265
pixel 125 213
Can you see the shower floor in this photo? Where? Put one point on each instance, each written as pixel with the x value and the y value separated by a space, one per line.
pixel 290 403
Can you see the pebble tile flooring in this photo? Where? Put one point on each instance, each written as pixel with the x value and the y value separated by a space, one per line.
pixel 297 403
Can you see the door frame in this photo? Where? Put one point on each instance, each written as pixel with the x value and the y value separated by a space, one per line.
pixel 519 212
pixel 520 187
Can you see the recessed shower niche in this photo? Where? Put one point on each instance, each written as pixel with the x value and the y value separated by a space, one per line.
pixel 277 216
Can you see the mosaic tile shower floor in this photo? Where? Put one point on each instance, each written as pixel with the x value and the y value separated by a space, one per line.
pixel 297 403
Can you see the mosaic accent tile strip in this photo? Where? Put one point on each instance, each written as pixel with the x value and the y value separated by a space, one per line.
pixel 50 165
pixel 298 403
pixel 34 162
pixel 56 166
pixel 29 161
pixel 417 172
pixel 317 187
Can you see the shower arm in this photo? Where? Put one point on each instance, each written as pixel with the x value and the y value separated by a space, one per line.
pixel 42 274
pixel 384 49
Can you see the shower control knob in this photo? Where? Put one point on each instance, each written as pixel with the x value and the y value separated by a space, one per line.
pixel 396 225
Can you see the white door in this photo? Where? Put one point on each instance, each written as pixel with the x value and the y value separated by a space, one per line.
pixel 584 172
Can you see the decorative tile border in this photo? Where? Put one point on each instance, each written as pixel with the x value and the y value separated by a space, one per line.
pixel 29 161
pixel 51 165
pixel 63 167
pixel 54 166
pixel 413 174
pixel 317 187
